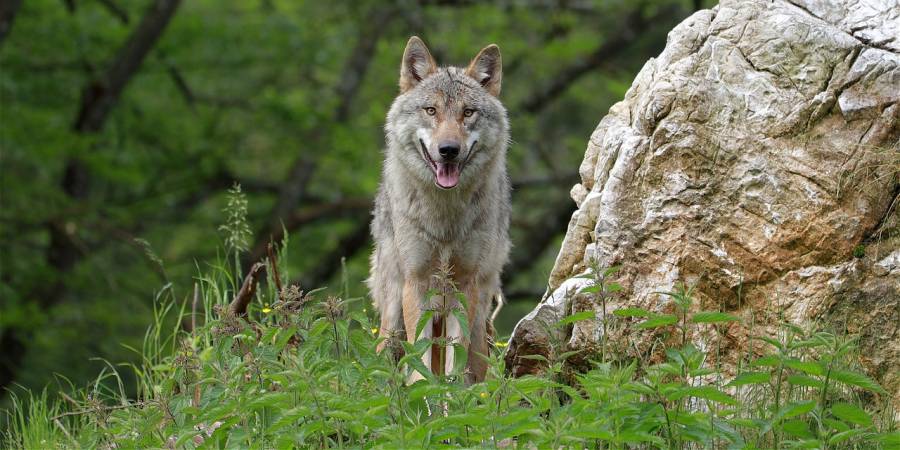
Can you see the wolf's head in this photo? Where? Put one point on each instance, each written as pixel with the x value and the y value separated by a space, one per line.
pixel 447 123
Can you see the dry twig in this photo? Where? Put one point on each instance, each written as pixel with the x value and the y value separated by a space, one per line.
pixel 238 306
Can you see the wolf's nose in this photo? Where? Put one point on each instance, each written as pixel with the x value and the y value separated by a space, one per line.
pixel 448 150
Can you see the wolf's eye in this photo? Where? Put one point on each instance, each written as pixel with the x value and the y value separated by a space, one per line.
pixel 430 111
pixel 468 112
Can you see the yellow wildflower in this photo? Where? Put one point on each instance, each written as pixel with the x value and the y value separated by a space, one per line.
pixel 483 395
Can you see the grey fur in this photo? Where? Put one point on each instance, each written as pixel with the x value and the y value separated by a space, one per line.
pixel 419 226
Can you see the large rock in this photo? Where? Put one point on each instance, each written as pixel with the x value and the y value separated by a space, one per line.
pixel 756 159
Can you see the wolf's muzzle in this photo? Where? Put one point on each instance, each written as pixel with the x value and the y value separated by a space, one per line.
pixel 449 150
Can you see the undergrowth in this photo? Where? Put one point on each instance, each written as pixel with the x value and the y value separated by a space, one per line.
pixel 302 371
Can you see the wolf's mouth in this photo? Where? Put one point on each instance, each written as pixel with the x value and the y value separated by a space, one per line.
pixel 446 174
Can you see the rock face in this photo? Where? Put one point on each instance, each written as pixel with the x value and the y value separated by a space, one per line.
pixel 756 159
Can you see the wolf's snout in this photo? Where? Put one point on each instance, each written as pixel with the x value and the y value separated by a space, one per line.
pixel 447 170
pixel 449 150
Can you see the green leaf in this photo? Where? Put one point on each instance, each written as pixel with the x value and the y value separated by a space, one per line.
pixel 419 366
pixel 420 347
pixel 835 424
pixel 632 312
pixel 766 361
pixel 640 436
pixel 584 315
pixel 290 416
pixel 593 432
pixel 658 321
pixel 565 355
pixel 591 289
pixel 803 380
pixel 460 358
pixel 270 399
pixel 851 413
pixel 795 409
pixel 463 300
pixel 890 440
pixel 343 415
pixel 463 321
pixel 796 428
pixel 750 378
pixel 414 351
pixel 318 327
pixel 425 390
pixel 424 319
pixel 640 388
pixel 746 423
pixel 845 435
pixel 705 392
pixel 810 367
pixel 535 358
pixel 856 379
pixel 713 317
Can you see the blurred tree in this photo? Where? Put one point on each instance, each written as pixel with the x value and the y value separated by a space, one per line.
pixel 123 123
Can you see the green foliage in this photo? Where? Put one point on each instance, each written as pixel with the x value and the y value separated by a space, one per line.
pixel 246 92
pixel 302 371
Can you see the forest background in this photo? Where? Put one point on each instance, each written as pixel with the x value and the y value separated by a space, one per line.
pixel 123 123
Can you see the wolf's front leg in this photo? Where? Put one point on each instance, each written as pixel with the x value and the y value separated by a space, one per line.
pixel 477 347
pixel 476 343
pixel 479 351
pixel 391 322
pixel 414 290
pixel 387 292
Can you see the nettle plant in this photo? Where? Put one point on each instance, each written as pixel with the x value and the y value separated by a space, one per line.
pixel 300 370
pixel 804 392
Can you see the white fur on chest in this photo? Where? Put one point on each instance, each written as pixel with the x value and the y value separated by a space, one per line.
pixel 435 227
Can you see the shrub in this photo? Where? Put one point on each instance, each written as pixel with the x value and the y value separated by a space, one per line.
pixel 302 371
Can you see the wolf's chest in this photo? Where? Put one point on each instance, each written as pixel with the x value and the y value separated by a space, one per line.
pixel 429 236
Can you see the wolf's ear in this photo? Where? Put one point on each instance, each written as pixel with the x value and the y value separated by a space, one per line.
pixel 487 69
pixel 417 64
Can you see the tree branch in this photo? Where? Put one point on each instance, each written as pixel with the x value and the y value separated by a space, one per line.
pixel 178 79
pixel 621 39
pixel 348 246
pixel 353 73
pixel 8 11
pixel 341 208
pixel 358 63
pixel 100 95
pixel 116 10
pixel 242 299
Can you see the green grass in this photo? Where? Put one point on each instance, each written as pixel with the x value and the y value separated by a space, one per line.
pixel 302 372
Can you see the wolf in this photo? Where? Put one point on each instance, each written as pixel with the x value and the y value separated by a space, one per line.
pixel 443 201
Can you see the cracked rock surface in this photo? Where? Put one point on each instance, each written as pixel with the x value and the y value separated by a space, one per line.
pixel 757 159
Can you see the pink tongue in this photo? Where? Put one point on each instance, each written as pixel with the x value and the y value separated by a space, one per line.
pixel 447 175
